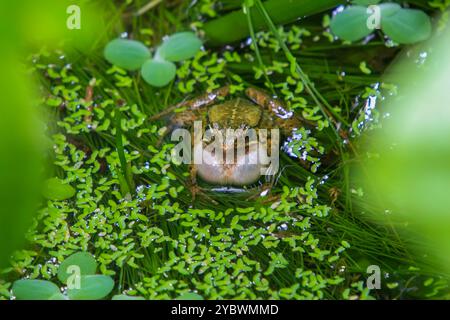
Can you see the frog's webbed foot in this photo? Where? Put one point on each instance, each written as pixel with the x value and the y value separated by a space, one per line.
pixel 269 198
pixel 264 192
pixel 197 191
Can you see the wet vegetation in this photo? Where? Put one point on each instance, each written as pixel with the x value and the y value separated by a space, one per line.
pixel 113 191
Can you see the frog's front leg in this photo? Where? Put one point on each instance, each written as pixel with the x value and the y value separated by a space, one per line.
pixel 196 103
pixel 194 187
pixel 181 119
pixel 262 192
pixel 283 119
pixel 286 121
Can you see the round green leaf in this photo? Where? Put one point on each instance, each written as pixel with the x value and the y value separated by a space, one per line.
pixel 127 54
pixel 388 9
pixel 351 24
pixel 179 46
pixel 92 287
pixel 56 189
pixel 407 26
pixel 158 73
pixel 34 290
pixel 126 297
pixel 365 2
pixel 84 260
pixel 190 296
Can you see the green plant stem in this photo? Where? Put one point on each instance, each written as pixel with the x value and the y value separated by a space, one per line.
pixel 312 91
pixel 247 10
pixel 121 154
pixel 150 5
pixel 233 26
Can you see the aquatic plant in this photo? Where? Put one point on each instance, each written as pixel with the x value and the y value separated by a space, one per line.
pixel 160 70
pixel 77 272
pixel 402 25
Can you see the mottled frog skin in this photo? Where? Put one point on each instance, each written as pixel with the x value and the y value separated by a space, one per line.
pixel 235 113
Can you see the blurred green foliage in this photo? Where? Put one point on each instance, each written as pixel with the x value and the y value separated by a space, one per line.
pixel 20 143
pixel 410 176
pixel 29 25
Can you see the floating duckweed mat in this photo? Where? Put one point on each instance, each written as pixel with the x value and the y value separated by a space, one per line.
pixel 307 238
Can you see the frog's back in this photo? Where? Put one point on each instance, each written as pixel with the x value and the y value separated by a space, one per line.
pixel 235 113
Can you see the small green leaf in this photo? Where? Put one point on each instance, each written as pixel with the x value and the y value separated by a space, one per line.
pixel 84 260
pixel 364 68
pixel 92 287
pixel 126 54
pixel 351 24
pixel 126 297
pixel 392 285
pixel 158 73
pixel 407 26
pixel 179 46
pixel 34 289
pixel 56 189
pixel 190 296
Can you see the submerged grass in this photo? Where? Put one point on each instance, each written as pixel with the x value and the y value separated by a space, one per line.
pixel 308 238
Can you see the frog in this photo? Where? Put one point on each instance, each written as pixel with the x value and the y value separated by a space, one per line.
pixel 221 110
